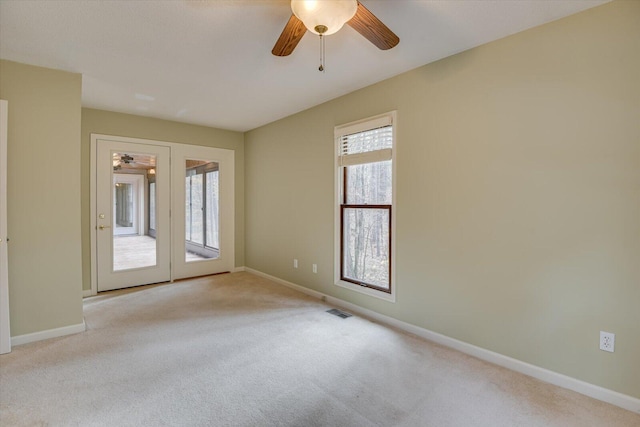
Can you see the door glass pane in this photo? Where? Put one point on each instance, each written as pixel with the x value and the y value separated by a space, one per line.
pixel 152 206
pixel 134 227
pixel 197 226
pixel 212 210
pixel 201 210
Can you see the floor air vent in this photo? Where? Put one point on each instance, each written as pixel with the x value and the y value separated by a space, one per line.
pixel 339 313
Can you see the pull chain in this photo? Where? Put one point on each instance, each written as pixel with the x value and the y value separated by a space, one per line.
pixel 321 68
pixel 321 29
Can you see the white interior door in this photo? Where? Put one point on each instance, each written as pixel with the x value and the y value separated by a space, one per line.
pixel 5 330
pixel 137 258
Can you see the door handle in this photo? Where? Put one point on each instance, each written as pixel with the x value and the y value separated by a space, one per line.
pixel 102 227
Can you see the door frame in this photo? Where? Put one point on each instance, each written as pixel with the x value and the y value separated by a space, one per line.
pixel 176 149
pixel 5 327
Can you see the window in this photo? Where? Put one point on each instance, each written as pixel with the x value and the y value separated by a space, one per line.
pixel 365 195
pixel 152 206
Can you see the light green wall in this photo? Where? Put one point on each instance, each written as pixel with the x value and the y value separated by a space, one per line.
pixel 43 194
pixel 518 195
pixel 110 123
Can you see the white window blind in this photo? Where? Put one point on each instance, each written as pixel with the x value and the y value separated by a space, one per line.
pixel 372 145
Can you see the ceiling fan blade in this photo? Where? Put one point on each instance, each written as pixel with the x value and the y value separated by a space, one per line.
pixel 373 29
pixel 291 35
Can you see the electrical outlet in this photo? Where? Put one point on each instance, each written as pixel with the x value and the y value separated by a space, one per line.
pixel 315 268
pixel 607 341
pixel 295 263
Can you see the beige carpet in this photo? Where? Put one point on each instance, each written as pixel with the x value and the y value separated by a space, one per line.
pixel 238 350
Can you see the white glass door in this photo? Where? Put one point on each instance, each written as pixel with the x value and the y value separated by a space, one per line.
pixel 132 209
pixel 204 211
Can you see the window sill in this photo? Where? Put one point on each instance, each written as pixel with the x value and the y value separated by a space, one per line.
pixel 367 291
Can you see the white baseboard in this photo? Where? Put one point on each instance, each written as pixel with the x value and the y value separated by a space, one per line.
pixel 238 269
pixel 49 333
pixel 87 293
pixel 613 397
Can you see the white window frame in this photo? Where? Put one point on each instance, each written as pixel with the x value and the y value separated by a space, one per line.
pixel 347 129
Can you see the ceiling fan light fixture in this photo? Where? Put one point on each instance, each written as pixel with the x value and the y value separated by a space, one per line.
pixel 324 14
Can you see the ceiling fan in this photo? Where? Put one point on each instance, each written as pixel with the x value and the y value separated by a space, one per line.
pixel 125 158
pixel 119 160
pixel 325 17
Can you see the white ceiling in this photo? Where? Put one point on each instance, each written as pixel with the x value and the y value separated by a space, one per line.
pixel 210 62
